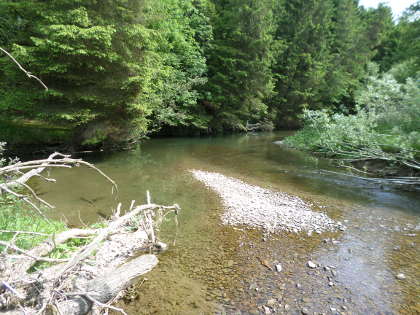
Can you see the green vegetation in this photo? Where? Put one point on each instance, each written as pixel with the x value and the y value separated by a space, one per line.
pixel 14 216
pixel 385 126
pixel 121 70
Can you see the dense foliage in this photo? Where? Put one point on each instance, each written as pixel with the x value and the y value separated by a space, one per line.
pixel 119 70
pixel 384 127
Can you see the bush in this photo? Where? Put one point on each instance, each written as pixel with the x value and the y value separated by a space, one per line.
pixel 385 125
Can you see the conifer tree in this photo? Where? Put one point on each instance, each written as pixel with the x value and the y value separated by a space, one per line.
pixel 239 62
pixel 301 68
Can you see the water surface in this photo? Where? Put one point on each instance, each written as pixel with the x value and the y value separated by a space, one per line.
pixel 215 269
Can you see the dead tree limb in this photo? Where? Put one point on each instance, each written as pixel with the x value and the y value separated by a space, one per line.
pixel 89 277
pixel 28 74
pixel 18 179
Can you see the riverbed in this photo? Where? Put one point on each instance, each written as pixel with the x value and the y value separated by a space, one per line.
pixel 220 269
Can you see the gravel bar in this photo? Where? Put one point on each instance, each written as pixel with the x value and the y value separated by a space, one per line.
pixel 266 209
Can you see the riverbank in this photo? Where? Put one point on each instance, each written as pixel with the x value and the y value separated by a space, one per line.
pixel 216 268
pixel 46 265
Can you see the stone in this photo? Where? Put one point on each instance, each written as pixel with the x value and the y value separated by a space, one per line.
pixel 311 264
pixel 401 276
pixel 267 310
pixel 305 311
pixel 278 268
pixel 271 302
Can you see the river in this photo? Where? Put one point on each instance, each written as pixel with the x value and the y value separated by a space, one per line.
pixel 216 269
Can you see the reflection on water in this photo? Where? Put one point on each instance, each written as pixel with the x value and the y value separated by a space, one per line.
pixel 219 268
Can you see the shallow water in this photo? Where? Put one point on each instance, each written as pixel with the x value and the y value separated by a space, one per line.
pixel 215 269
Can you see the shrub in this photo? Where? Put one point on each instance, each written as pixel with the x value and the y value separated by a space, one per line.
pixel 385 125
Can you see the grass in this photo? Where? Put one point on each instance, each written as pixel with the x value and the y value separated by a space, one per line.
pixel 16 216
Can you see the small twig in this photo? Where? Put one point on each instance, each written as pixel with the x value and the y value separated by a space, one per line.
pixel 105 305
pixel 132 204
pixel 118 211
pixel 36 196
pixel 81 221
pixel 148 197
pixel 25 232
pixel 28 74
pixel 17 249
pixel 11 289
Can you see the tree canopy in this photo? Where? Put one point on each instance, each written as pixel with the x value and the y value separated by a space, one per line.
pixel 120 70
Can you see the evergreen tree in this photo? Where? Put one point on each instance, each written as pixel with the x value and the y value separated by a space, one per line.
pixel 401 44
pixel 301 68
pixel 116 69
pixel 239 63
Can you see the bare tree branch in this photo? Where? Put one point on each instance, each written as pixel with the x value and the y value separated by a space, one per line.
pixel 28 74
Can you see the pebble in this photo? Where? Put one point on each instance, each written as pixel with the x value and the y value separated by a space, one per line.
pixel 401 276
pixel 266 310
pixel 271 302
pixel 279 268
pixel 305 311
pixel 311 264
pixel 262 208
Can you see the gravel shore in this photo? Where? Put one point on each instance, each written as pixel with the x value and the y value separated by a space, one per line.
pixel 262 208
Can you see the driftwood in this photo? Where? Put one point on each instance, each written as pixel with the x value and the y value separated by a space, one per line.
pixel 259 126
pixel 16 178
pixel 86 279
pixel 91 276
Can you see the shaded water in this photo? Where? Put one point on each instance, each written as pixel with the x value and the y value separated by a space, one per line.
pixel 214 269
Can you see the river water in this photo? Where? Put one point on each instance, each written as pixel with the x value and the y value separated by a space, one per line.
pixel 216 269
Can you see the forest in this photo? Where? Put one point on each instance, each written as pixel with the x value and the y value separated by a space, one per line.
pixel 332 77
pixel 119 71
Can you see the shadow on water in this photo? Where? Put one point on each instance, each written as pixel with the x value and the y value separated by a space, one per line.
pixel 216 269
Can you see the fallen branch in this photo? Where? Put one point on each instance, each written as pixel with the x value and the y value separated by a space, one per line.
pixel 35 169
pixel 89 277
